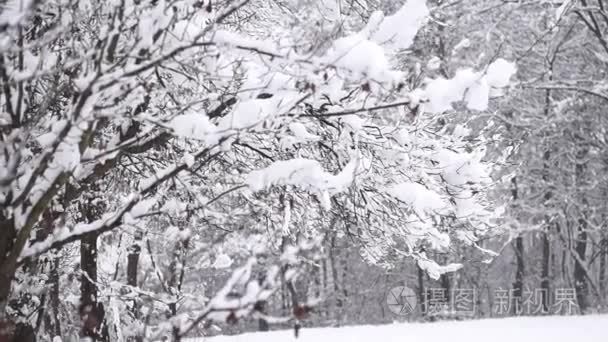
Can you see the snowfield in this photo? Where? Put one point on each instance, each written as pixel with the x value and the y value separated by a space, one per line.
pixel 520 329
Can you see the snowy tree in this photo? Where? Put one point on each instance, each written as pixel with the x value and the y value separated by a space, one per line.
pixel 552 125
pixel 189 134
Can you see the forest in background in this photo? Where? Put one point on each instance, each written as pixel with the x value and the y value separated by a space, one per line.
pixel 171 169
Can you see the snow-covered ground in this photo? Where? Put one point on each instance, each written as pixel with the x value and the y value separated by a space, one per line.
pixel 520 329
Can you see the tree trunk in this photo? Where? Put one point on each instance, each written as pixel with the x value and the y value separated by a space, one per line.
pixel 91 311
pixel 336 286
pixel 446 283
pixel 344 294
pixel 132 267
pixel 546 244
pixel 54 297
pixel 8 264
pixel 262 307
pixel 545 282
pixel 602 271
pixel 421 292
pixel 132 270
pixel 519 255
pixel 325 289
pixel 580 282
pixel 177 268
pixel 10 331
pixel 518 285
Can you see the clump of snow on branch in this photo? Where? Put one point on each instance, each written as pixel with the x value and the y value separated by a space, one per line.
pixel 305 173
pixel 474 88
pixel 363 54
pixel 194 125
pixel 398 31
pixel 499 73
pixel 434 270
pixel 362 58
pixel 418 197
